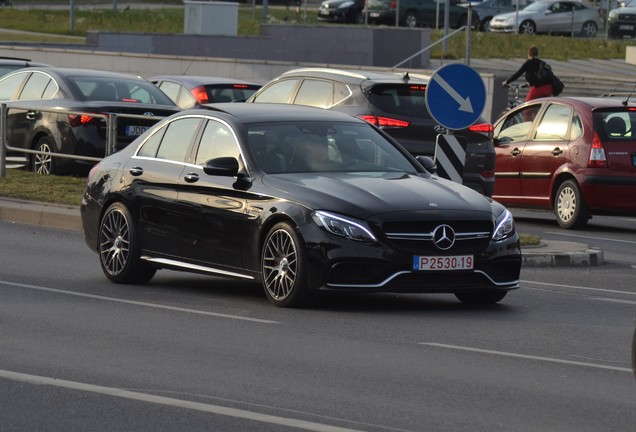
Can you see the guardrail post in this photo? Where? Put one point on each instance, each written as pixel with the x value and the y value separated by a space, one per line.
pixel 111 136
pixel 3 140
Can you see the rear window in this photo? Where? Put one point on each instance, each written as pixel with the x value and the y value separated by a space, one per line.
pixel 230 92
pixel 400 99
pixel 615 125
pixel 120 90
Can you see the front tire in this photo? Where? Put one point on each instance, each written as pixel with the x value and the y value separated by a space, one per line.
pixel 284 267
pixel 569 207
pixel 43 163
pixel 485 297
pixel 120 248
pixel 527 27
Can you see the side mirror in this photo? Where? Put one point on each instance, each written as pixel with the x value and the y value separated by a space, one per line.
pixel 428 163
pixel 222 166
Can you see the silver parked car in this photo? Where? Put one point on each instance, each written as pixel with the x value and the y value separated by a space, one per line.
pixel 487 9
pixel 551 17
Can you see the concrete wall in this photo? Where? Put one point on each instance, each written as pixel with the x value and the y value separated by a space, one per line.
pixel 352 45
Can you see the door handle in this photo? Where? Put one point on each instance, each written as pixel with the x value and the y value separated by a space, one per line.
pixel 515 152
pixel 31 115
pixel 557 151
pixel 136 171
pixel 191 178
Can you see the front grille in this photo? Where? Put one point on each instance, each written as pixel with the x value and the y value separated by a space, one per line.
pixel 417 237
pixel 627 17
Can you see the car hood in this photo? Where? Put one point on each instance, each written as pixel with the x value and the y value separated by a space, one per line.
pixel 364 195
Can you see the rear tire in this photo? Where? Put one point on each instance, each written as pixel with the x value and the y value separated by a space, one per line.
pixel 43 163
pixel 569 206
pixel 120 248
pixel 485 297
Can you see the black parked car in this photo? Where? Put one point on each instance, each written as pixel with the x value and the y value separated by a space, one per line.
pixel 35 95
pixel 394 102
pixel 9 64
pixel 189 91
pixel 342 11
pixel 419 13
pixel 299 199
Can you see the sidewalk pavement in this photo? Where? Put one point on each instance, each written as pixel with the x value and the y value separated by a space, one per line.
pixel 550 253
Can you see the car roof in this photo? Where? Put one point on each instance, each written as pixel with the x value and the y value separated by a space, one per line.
pixel 268 112
pixel 600 101
pixel 81 72
pixel 196 80
pixel 358 75
pixel 20 61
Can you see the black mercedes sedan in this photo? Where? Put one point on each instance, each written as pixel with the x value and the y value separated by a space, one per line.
pixel 65 111
pixel 297 198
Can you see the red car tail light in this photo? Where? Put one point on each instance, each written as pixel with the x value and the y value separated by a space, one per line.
pixel 79 120
pixel 385 121
pixel 484 128
pixel 597 154
pixel 200 94
pixel 487 174
pixel 240 86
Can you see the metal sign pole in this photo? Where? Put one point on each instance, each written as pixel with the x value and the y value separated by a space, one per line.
pixel 3 140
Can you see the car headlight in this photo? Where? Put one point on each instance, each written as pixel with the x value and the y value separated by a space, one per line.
pixel 345 5
pixel 612 15
pixel 504 226
pixel 350 228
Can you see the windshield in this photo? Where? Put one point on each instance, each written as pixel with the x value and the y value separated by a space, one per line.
pixel 324 147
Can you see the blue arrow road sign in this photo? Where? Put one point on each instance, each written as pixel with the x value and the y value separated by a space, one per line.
pixel 455 96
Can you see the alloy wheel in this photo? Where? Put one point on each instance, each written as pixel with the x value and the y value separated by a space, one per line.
pixel 280 265
pixel 114 242
pixel 43 163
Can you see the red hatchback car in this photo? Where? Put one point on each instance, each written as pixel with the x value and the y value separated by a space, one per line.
pixel 576 156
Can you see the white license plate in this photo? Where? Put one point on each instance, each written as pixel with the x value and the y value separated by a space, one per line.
pixel 135 130
pixel 374 14
pixel 441 263
pixel 626 27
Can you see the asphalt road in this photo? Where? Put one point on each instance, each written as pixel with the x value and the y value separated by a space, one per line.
pixel 193 353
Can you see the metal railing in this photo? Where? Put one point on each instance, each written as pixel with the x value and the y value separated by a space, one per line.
pixel 465 28
pixel 110 143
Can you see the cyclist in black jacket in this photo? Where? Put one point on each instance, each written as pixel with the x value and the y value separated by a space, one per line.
pixel 530 68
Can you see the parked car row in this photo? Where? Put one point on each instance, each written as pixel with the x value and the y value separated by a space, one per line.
pixel 572 17
pixel 572 155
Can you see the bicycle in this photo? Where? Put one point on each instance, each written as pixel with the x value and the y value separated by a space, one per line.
pixel 516 100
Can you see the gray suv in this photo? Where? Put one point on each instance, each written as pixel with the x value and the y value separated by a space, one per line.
pixel 395 102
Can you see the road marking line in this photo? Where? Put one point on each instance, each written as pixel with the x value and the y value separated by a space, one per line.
pixel 580 287
pixel 613 300
pixel 528 357
pixel 138 303
pixel 161 400
pixel 588 237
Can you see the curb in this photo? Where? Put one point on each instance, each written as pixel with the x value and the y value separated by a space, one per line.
pixel 549 253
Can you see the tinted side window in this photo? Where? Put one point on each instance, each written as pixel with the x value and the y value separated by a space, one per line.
pixel 554 124
pixel 10 85
pixel 171 89
pixel 35 86
pixel 316 93
pixel 177 138
pixel 279 92
pixel 517 125
pixel 217 141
